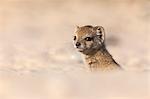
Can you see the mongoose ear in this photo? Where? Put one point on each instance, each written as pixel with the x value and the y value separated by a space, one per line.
pixel 77 27
pixel 100 32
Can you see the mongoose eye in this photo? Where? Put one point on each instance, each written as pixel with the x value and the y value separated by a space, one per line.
pixel 88 38
pixel 99 30
pixel 100 36
pixel 74 38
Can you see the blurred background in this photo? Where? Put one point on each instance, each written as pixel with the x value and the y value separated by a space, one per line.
pixel 38 61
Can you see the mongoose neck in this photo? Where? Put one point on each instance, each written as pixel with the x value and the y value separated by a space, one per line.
pixel 101 59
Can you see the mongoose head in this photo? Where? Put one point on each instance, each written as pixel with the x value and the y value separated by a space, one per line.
pixel 89 39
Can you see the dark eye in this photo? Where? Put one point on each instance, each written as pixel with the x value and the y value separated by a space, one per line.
pixel 74 38
pixel 99 29
pixel 88 38
pixel 100 36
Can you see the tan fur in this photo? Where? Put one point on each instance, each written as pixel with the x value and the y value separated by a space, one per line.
pixel 95 53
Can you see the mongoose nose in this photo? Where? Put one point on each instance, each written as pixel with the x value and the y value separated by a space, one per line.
pixel 78 44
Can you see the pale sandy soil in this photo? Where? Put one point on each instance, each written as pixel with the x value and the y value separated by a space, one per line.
pixel 38 61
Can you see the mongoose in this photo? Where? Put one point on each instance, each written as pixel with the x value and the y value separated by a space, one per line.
pixel 90 41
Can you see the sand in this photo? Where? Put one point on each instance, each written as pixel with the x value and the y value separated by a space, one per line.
pixel 38 61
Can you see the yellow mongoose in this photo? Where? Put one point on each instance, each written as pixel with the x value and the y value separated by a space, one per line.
pixel 90 41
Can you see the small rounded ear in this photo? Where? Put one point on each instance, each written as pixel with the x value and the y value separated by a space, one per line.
pixel 100 32
pixel 77 27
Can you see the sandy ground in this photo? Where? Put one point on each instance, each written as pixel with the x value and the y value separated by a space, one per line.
pixel 38 61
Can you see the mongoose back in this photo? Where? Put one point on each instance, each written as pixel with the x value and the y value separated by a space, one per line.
pixel 90 41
